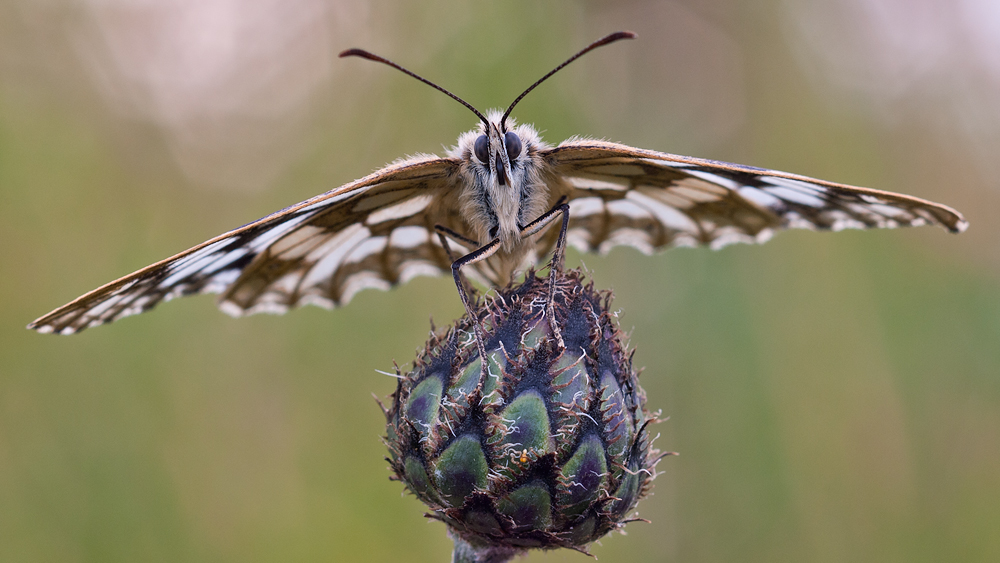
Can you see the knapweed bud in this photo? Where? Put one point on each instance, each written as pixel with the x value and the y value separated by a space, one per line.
pixel 550 447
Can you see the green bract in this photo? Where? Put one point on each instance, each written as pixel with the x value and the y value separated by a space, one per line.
pixel 550 448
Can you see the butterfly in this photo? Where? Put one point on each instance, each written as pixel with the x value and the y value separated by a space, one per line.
pixel 485 209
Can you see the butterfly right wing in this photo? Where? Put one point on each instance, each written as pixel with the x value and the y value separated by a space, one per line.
pixel 621 195
pixel 372 233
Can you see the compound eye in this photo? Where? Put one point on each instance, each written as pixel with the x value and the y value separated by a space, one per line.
pixel 482 149
pixel 512 143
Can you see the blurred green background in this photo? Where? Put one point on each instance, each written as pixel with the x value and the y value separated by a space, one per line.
pixel 834 397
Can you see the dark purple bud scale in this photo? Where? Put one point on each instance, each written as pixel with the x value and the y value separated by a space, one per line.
pixel 550 447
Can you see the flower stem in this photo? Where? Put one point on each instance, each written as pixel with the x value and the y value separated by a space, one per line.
pixel 467 553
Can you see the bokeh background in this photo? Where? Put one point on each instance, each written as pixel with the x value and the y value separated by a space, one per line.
pixel 834 397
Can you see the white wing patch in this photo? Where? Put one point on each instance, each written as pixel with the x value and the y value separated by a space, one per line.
pixel 759 197
pixel 298 243
pixel 585 206
pixel 409 237
pixel 361 280
pixel 401 210
pixel 332 253
pixel 366 248
pixel 589 183
pixel 627 208
pixel 277 231
pixel 663 212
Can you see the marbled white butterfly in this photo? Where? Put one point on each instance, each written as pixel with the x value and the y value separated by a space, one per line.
pixel 492 196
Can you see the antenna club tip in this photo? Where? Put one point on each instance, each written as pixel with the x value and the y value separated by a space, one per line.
pixel 616 36
pixel 354 53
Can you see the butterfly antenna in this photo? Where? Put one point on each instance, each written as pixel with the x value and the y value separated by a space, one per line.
pixel 599 43
pixel 373 57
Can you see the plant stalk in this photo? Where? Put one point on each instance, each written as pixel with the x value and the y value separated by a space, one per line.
pixel 467 553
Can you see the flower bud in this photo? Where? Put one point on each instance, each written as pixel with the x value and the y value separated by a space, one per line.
pixel 548 446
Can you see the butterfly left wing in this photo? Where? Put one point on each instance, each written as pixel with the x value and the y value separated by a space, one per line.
pixel 620 195
pixel 374 232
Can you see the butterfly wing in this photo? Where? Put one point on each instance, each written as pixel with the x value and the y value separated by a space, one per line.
pixel 620 195
pixel 374 232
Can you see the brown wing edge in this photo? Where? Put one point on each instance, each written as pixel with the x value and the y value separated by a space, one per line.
pixel 585 149
pixel 416 164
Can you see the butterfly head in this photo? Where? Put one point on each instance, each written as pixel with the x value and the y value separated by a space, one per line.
pixel 498 150
pixel 500 159
pixel 501 147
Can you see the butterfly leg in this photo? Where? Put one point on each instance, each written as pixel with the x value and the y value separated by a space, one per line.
pixel 558 256
pixel 481 253
pixel 442 230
